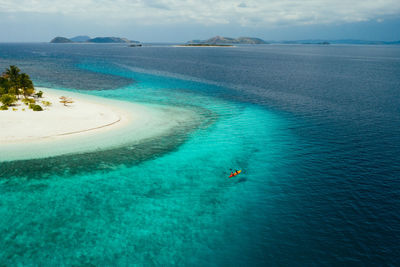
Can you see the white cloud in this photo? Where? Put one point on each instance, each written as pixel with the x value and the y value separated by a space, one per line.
pixel 210 12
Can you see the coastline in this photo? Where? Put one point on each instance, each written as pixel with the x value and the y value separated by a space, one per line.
pixel 90 124
pixel 21 124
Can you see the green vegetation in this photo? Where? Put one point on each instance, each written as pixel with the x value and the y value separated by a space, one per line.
pixel 8 99
pixel 46 103
pixel 13 83
pixel 28 101
pixel 35 107
pixel 39 94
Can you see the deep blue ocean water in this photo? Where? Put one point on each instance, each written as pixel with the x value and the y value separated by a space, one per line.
pixel 315 129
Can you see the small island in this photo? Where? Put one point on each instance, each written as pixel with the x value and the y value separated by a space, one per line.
pixel 71 122
pixel 205 45
pixel 96 40
pixel 47 112
pixel 13 84
pixel 219 40
pixel 61 40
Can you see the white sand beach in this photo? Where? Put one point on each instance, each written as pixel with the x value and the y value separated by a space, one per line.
pixel 21 124
pixel 90 123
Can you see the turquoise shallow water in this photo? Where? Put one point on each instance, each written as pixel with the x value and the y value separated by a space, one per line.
pixel 176 207
pixel 315 130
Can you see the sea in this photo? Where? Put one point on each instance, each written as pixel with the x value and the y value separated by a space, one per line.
pixel 315 130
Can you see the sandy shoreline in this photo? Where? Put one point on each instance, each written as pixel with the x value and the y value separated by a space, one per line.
pixel 21 124
pixel 91 123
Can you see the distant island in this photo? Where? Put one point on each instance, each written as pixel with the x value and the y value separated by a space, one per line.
pixel 103 40
pixel 87 39
pixel 340 41
pixel 80 39
pixel 61 40
pixel 218 40
pixel 206 45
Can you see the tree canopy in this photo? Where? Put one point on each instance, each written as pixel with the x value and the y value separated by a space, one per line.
pixel 13 83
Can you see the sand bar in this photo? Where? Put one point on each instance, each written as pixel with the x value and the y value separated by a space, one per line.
pixel 90 123
pixel 21 124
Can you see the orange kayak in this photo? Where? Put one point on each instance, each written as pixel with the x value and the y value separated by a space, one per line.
pixel 235 173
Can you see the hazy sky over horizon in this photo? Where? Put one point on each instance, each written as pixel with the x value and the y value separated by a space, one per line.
pixel 182 20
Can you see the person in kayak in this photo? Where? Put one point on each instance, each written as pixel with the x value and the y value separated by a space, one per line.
pixel 234 173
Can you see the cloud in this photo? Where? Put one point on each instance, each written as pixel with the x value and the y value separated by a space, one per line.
pixel 253 13
pixel 156 4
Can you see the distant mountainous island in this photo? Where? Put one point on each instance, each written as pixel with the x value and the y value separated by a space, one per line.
pixel 219 40
pixel 87 39
pixel 340 41
pixel 80 39
pixel 227 40
pixel 224 41
pixel 61 40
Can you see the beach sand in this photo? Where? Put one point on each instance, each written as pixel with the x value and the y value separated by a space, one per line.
pixel 91 123
pixel 21 124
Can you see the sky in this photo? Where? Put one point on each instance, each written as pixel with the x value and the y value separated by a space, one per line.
pixel 183 20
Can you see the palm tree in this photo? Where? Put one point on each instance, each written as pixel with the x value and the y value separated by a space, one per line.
pixel 26 84
pixel 12 73
pixel 4 85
